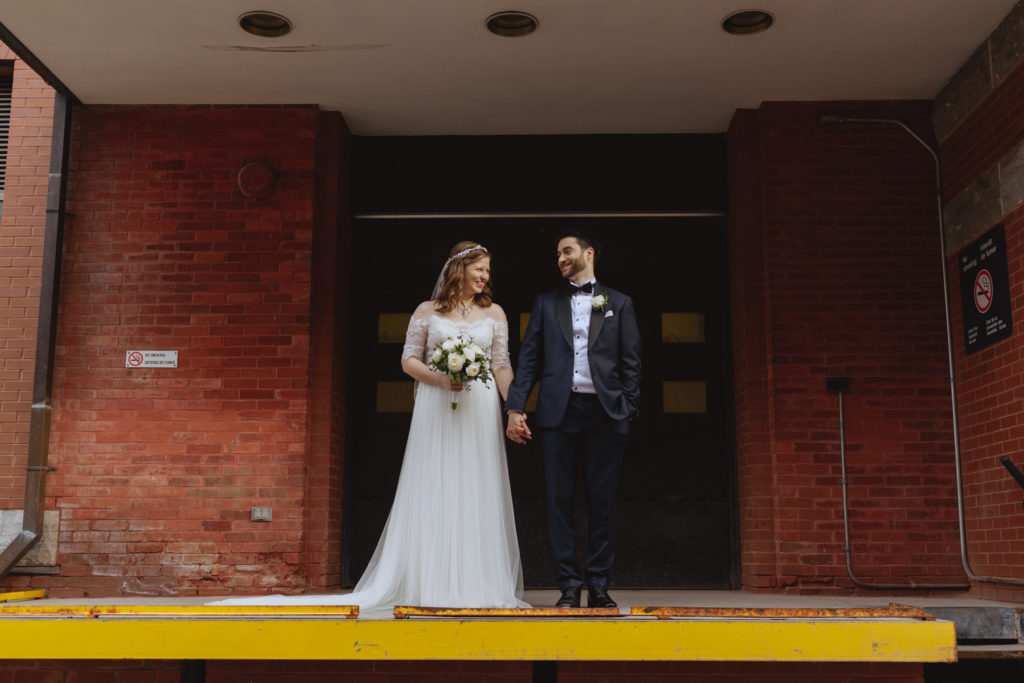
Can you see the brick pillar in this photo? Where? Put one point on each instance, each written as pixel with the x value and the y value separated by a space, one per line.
pixel 328 352
pixel 21 250
pixel 750 356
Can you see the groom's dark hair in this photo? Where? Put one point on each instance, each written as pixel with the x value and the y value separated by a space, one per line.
pixel 582 239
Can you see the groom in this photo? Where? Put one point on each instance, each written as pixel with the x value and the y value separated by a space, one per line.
pixel 583 344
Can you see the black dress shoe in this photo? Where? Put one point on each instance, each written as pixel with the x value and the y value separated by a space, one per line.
pixel 597 596
pixel 570 598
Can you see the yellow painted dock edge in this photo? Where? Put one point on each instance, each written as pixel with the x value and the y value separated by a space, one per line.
pixel 181 611
pixel 22 595
pixel 128 637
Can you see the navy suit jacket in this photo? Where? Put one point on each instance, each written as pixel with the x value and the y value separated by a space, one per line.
pixel 547 350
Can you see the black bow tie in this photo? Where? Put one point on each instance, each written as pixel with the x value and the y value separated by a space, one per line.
pixel 587 288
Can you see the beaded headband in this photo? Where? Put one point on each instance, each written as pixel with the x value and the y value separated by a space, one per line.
pixel 464 252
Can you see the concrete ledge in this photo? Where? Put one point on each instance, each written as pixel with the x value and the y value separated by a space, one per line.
pixel 981 623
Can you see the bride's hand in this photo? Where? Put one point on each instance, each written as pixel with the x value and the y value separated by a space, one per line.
pixel 445 382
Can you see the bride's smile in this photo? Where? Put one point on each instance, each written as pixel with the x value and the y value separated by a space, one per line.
pixel 477 275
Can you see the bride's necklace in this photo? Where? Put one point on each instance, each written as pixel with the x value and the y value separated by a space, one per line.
pixel 464 309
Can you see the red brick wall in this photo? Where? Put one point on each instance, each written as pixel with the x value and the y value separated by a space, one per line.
pixel 989 381
pixel 328 348
pixel 989 394
pixel 735 672
pixel 158 468
pixel 21 245
pixel 89 671
pixel 399 672
pixel 59 671
pixel 756 496
pixel 851 287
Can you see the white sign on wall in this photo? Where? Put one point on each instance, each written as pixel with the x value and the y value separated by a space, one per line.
pixel 151 359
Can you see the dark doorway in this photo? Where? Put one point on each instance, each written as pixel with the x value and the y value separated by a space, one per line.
pixel 676 515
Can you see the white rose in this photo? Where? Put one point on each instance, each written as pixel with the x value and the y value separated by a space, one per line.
pixel 599 300
pixel 476 349
pixel 436 356
pixel 448 345
pixel 469 354
pixel 455 362
pixel 473 369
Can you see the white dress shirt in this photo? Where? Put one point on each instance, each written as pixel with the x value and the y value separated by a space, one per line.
pixel 581 305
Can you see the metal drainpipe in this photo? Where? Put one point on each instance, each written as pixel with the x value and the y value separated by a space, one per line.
pixel 46 339
pixel 841 384
pixel 825 120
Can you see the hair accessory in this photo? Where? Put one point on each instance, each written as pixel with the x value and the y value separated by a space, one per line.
pixel 464 252
pixel 444 268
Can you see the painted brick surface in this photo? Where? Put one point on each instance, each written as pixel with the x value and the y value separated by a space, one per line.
pixel 756 498
pixel 21 245
pixel 158 468
pixel 90 671
pixel 735 672
pixel 989 391
pixel 61 671
pixel 851 287
pixel 329 362
pixel 983 150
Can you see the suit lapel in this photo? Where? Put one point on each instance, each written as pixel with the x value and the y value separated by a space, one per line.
pixel 596 318
pixel 562 310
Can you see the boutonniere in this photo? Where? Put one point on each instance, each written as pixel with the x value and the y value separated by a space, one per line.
pixel 600 302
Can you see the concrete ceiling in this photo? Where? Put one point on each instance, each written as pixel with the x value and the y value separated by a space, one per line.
pixel 429 67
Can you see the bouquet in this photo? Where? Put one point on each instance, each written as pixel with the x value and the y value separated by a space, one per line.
pixel 463 360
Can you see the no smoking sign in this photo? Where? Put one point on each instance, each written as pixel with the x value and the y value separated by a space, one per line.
pixel 151 359
pixel 985 290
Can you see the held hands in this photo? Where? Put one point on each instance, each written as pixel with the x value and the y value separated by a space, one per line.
pixel 517 429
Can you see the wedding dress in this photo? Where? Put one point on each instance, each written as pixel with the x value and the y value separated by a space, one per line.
pixel 450 540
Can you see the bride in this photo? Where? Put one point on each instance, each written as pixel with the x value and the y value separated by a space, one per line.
pixel 450 540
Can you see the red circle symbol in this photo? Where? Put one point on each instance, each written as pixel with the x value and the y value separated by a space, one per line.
pixel 983 291
pixel 135 359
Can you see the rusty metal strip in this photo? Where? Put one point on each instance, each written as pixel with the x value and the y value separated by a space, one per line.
pixel 893 611
pixel 403 612
pixel 181 611
pixel 923 615
pixel 22 595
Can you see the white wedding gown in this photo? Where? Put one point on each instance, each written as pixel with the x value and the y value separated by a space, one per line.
pixel 450 540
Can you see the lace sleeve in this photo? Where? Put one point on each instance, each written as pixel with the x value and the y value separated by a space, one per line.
pixel 416 335
pixel 499 346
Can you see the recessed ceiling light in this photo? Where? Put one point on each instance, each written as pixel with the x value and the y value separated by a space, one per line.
pixel 512 24
pixel 748 21
pixel 265 24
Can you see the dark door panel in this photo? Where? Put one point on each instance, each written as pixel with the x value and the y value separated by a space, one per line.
pixel 676 515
